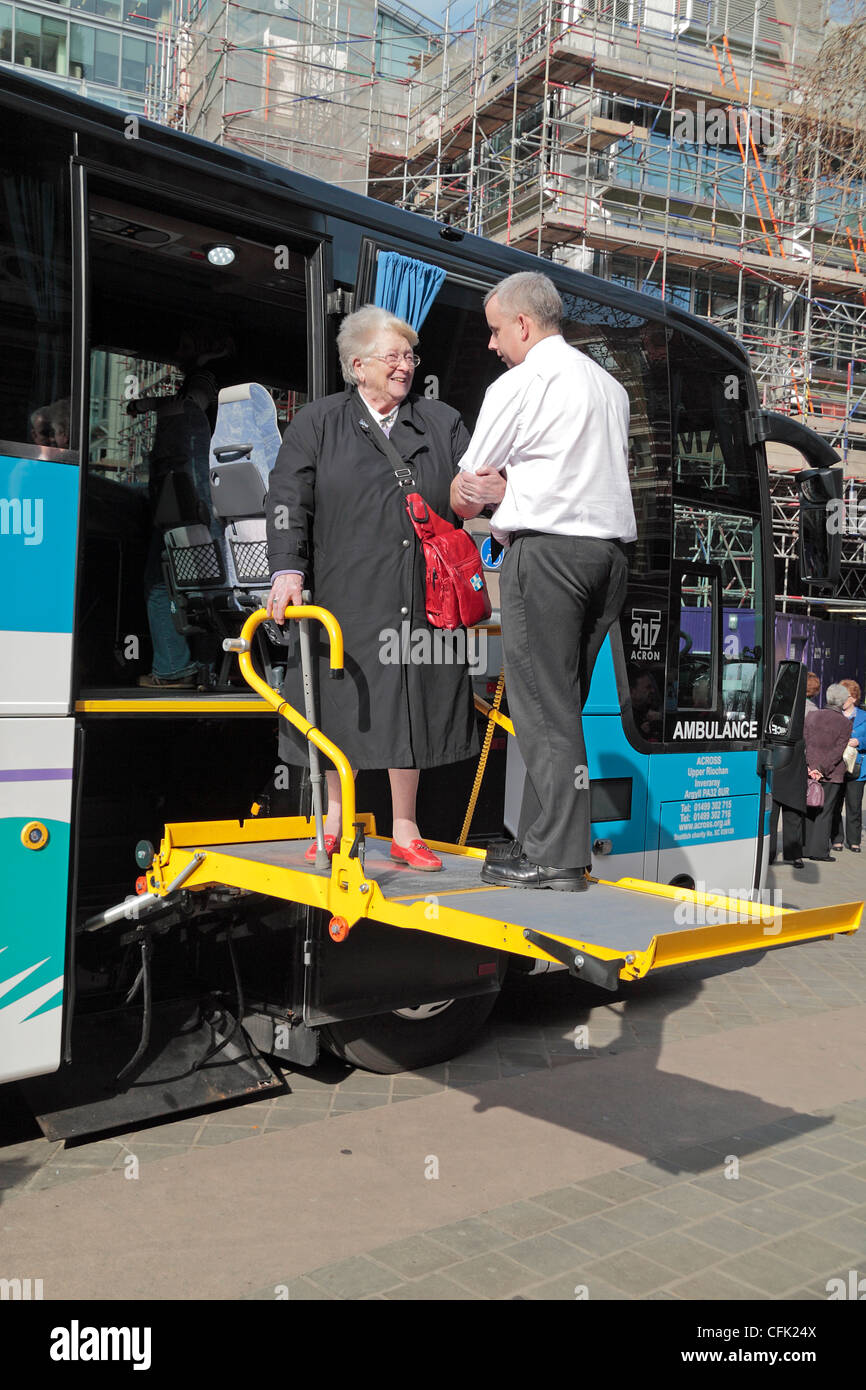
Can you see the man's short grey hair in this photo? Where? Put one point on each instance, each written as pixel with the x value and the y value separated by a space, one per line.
pixel 532 294
pixel 836 696
pixel 358 334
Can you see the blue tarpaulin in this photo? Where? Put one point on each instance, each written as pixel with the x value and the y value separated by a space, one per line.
pixel 406 287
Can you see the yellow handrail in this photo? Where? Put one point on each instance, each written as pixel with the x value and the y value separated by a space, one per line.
pixel 282 706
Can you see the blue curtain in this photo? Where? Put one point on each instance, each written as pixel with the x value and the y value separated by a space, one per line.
pixel 406 287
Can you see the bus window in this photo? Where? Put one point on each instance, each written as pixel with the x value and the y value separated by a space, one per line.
pixel 36 323
pixel 165 311
pixel 711 453
pixel 695 659
pixel 634 350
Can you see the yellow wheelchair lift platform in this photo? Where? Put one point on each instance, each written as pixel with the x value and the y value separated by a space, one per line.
pixel 615 931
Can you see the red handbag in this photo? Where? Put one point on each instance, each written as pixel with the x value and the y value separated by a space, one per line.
pixel 456 593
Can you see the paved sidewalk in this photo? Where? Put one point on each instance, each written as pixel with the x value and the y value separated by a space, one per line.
pixel 709 1142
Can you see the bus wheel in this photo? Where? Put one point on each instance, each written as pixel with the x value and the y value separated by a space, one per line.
pixel 412 1037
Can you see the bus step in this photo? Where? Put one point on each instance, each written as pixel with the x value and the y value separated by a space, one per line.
pixel 184 1068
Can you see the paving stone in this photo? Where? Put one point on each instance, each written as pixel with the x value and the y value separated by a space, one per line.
pixel 809 1251
pixel 469 1238
pixel 522 1219
pixel 654 1171
pixel 767 1273
pixel 413 1257
pixel 365 1081
pixel 844 1185
pixel 772 1217
pixel 545 1255
pixel 346 1101
pixel 493 1275
pixel 288 1119
pixel 816 1161
pixel 689 1201
pixel 577 1287
pixel 353 1278
pixel 845 1231
pixel 811 1207
pixel 598 1236
pixel 434 1288
pixel 642 1217
pixel 678 1253
pixel 212 1135
pixel 416 1086
pixel 726 1234
pixel 630 1272
pixel 297 1291
pixel 772 1172
pixel 733 1190
pixel 572 1203
pixel 618 1187
pixel 711 1285
pixel 692 1159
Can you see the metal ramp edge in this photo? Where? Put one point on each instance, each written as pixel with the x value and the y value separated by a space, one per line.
pixel 618 930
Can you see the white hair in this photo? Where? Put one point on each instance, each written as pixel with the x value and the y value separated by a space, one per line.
pixel 530 293
pixel 836 696
pixel 358 334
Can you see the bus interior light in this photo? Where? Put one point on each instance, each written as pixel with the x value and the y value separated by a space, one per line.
pixel 219 255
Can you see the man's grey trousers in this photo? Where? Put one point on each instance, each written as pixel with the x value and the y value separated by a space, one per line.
pixel 559 596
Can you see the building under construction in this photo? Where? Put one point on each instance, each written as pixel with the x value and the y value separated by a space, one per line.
pixel 657 143
pixel 692 149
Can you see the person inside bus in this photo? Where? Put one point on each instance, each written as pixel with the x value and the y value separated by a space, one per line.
pixel 555 429
pixel 338 525
pixel 180 459
pixel 855 776
pixel 827 733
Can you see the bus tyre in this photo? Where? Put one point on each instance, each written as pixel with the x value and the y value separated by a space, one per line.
pixel 410 1038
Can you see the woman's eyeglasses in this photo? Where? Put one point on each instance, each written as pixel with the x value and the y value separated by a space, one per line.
pixel 394 359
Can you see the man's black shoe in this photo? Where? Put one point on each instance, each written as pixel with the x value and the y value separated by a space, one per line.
pixel 522 873
pixel 498 850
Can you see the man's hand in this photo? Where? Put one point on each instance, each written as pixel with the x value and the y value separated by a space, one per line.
pixel 472 492
pixel 285 593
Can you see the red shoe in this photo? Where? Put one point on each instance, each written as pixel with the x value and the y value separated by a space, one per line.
pixel 417 855
pixel 330 846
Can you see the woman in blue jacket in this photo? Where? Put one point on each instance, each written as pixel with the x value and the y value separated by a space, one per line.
pixel 853 786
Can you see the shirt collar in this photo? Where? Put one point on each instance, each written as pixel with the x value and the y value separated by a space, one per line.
pixel 545 345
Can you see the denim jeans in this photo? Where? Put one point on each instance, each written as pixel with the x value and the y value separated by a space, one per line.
pixel 172 659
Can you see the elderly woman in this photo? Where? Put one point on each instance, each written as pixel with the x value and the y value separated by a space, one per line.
pixel 827 734
pixel 852 793
pixel 337 524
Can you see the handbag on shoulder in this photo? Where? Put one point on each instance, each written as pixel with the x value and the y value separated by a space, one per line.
pixel 455 588
pixel 456 593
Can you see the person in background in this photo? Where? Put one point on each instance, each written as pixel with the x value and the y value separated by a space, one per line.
pixel 852 787
pixel 828 734
pixel 813 690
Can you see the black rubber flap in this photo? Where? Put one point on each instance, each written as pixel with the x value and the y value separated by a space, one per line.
pixel 175 1074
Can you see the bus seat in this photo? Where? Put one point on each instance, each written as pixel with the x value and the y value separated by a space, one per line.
pixel 218 576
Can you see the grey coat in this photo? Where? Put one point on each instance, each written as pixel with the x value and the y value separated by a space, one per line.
pixel 335 512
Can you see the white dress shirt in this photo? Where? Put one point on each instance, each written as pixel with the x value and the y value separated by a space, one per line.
pixel 557 423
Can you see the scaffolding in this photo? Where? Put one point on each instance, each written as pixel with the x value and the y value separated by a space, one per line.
pixel 641 140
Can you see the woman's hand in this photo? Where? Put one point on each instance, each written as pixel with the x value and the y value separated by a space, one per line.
pixel 285 593
pixel 815 774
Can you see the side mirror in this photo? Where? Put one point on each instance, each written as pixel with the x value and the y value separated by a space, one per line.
pixel 787 704
pixel 820 528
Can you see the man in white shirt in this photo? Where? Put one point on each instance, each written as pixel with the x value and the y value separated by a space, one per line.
pixel 550 450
